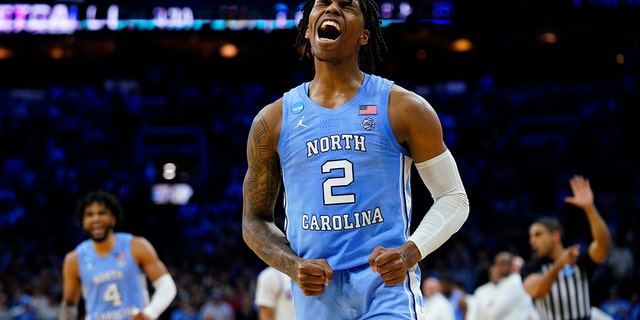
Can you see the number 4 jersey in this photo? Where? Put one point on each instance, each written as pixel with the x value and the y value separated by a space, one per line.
pixel 113 286
pixel 346 178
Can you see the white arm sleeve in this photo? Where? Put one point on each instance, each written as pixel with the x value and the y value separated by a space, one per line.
pixel 450 208
pixel 165 291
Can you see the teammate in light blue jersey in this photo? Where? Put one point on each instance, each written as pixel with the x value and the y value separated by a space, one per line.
pixel 343 145
pixel 110 269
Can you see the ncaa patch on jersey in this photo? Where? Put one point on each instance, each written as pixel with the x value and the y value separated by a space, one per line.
pixel 297 107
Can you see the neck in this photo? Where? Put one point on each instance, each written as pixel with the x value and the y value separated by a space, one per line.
pixel 337 70
pixel 104 247
pixel 332 85
pixel 337 81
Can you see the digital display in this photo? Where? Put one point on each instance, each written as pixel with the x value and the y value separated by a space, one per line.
pixel 67 18
pixel 177 194
pixel 605 3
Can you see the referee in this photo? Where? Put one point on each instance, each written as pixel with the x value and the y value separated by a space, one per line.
pixel 558 278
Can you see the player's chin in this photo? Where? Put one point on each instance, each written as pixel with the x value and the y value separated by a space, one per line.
pixel 98 235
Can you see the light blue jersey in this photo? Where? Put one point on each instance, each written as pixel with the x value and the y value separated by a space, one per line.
pixel 347 190
pixel 113 286
pixel 346 178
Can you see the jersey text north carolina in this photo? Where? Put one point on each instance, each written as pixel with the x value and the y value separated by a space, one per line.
pixel 342 222
pixel 346 177
pixel 336 142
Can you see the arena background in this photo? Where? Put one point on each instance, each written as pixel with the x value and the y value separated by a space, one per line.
pixel 103 94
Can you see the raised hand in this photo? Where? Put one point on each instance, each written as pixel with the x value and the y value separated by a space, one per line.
pixel 582 193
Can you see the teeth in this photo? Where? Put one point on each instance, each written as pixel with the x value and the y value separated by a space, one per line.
pixel 330 23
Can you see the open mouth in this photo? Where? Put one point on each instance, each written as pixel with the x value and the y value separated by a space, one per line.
pixel 329 31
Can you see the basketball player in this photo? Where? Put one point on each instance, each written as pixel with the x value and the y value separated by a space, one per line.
pixel 344 144
pixel 110 267
pixel 558 278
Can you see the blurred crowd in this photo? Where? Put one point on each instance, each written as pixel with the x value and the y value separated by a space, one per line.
pixel 70 125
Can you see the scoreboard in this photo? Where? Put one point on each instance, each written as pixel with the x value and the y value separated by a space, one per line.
pixel 68 17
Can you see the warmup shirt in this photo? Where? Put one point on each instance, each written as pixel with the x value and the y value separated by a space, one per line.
pixel 346 178
pixel 113 286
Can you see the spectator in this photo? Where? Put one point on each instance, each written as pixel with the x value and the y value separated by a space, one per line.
pixel 455 293
pixel 273 295
pixel 478 302
pixel 616 306
pixel 436 305
pixel 216 308
pixel 184 311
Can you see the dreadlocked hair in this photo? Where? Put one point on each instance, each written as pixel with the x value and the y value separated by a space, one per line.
pixel 369 54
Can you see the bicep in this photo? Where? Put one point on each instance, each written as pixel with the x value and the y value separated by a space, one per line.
pixel 416 125
pixel 262 180
pixel 147 258
pixel 598 253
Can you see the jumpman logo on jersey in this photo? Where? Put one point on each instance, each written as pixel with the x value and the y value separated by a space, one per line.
pixel 300 124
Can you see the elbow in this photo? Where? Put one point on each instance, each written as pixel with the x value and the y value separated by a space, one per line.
pixel 172 289
pixel 246 229
pixel 245 237
pixel 532 287
pixel 535 294
pixel 246 233
pixel 464 208
pixel 467 207
pixel 455 206
pixel 600 255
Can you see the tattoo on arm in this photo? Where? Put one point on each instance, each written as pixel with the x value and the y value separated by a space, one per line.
pixel 260 191
pixel 264 177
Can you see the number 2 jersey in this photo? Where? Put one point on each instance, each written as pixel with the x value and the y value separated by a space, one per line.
pixel 346 178
pixel 113 286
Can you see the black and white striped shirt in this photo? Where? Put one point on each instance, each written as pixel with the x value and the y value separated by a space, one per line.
pixel 569 297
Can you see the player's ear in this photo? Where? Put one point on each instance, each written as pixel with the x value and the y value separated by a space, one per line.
pixel 306 33
pixel 364 38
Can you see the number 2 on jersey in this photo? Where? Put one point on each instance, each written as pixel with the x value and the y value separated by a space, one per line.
pixel 342 181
